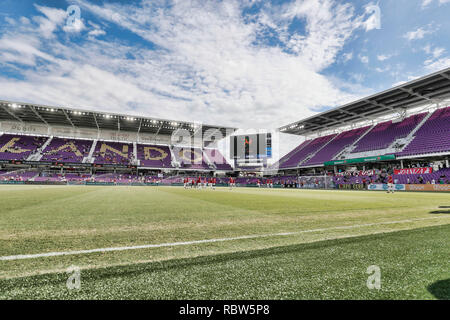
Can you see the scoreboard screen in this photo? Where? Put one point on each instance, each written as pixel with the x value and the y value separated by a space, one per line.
pixel 251 146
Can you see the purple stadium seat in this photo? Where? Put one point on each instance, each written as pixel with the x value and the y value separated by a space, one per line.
pixel 154 156
pixel 338 144
pixel 191 158
pixel 301 153
pixel 67 150
pixel 432 137
pixel 385 133
pixel 113 153
pixel 17 147
pixel 218 159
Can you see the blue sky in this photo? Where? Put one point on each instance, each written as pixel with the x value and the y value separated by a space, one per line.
pixel 250 64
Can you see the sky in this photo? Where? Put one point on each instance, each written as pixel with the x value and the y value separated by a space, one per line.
pixel 246 64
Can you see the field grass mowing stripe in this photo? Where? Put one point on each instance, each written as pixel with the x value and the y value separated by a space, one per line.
pixel 184 243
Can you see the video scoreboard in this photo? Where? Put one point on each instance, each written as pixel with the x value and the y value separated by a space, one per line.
pixel 251 146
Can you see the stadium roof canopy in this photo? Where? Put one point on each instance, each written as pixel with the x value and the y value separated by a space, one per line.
pixel 79 118
pixel 433 88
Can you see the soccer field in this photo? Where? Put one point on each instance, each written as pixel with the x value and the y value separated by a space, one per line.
pixel 247 243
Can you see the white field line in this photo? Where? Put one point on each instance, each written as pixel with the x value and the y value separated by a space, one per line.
pixel 184 243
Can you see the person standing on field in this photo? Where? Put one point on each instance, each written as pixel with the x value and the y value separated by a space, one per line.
pixel 390 184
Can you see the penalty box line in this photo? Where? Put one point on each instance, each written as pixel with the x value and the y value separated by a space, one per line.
pixel 184 243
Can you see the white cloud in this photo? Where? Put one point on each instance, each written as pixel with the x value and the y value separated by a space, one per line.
pixel 24 21
pixel 329 26
pixel 357 77
pixel 10 21
pixel 419 33
pixel 209 64
pixel 437 52
pixel 381 70
pixel 383 57
pixel 76 27
pixel 363 59
pixel 49 23
pixel 435 61
pixel 97 32
pixel 425 3
pixel 347 56
pixel 436 65
pixel 22 50
pixel 434 52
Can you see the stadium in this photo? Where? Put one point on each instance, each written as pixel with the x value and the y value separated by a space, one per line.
pixel 105 205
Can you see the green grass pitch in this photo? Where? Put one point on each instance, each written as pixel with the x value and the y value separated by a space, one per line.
pixel 291 244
